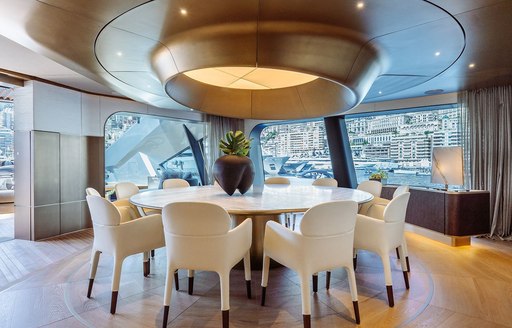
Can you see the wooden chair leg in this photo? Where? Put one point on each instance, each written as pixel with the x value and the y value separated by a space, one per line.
pixel 328 280
pixel 356 311
pixel 263 294
pixel 408 265
pixel 306 319
pixel 190 285
pixel 145 266
pixel 406 279
pixel 166 316
pixel 315 283
pixel 113 302
pixel 225 319
pixel 176 280
pixel 248 288
pixel 391 300
pixel 89 289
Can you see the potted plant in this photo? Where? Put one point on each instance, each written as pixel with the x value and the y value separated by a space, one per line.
pixel 234 170
pixel 379 175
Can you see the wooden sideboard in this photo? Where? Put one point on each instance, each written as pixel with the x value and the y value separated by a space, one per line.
pixel 455 214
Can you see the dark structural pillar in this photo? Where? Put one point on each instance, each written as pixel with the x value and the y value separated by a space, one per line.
pixel 341 153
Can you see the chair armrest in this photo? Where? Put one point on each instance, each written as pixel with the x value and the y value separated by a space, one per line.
pixel 122 202
pixel 283 245
pixel 369 232
pixel 142 234
pixel 239 240
pixel 380 201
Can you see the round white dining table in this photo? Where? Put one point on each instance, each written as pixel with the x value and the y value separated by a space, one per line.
pixel 272 201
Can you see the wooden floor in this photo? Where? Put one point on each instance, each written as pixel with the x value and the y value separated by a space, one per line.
pixel 19 258
pixel 468 286
pixel 6 227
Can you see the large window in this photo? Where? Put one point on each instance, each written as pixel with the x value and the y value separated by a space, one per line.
pixel 145 149
pixel 298 151
pixel 401 144
pixel 6 145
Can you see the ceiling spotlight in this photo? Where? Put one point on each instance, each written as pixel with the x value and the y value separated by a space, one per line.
pixel 437 53
pixel 119 53
pixel 183 12
pixel 472 65
pixel 380 92
pixel 360 5
pixel 191 109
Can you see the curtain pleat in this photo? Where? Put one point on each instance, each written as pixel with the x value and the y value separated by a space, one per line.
pixel 218 127
pixel 487 142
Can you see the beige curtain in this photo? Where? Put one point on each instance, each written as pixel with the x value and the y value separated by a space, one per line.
pixel 217 128
pixel 487 141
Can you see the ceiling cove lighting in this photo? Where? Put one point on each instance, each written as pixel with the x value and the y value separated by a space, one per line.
pixel 250 78
pixel 264 60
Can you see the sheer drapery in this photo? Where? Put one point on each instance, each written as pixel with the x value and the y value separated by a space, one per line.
pixel 487 137
pixel 218 127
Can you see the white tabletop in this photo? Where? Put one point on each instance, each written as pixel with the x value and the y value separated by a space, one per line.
pixel 274 199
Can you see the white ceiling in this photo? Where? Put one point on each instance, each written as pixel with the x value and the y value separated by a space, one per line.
pixel 16 58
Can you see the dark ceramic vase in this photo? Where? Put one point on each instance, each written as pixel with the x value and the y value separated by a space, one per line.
pixel 234 172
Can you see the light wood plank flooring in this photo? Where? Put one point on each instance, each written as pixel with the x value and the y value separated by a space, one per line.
pixel 6 227
pixel 19 258
pixel 468 286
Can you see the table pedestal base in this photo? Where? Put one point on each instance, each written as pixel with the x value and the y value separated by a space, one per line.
pixel 258 234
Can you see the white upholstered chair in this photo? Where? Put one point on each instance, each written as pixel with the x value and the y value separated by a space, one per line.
pixel 374 188
pixel 126 211
pixel 175 183
pixel 198 237
pixel 125 190
pixel 324 242
pixel 325 182
pixel 277 180
pixel 120 239
pixel 376 210
pixel 289 218
pixel 382 236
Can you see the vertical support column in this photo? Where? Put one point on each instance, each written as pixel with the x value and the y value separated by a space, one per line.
pixel 341 153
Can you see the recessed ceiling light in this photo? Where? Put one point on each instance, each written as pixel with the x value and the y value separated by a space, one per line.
pixel 191 109
pixel 149 85
pixel 380 92
pixel 360 5
pixel 437 53
pixel 119 53
pixel 183 12
pixel 472 65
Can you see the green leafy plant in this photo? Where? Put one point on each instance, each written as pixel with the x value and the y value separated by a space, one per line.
pixel 379 175
pixel 235 144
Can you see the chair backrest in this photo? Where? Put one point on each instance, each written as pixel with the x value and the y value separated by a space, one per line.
pixel 277 180
pixel 329 219
pixel 396 208
pixel 102 211
pixel 400 190
pixel 371 186
pixel 195 219
pixel 325 182
pixel 126 190
pixel 91 191
pixel 175 183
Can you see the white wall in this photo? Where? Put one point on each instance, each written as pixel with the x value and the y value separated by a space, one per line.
pixel 75 122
